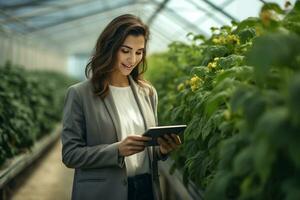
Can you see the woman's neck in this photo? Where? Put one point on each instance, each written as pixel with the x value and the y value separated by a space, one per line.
pixel 119 80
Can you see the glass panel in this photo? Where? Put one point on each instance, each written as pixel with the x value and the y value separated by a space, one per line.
pixel 241 9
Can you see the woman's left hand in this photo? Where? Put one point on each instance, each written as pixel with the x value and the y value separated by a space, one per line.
pixel 168 143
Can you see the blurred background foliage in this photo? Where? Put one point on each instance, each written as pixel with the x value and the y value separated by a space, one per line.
pixel 31 105
pixel 239 92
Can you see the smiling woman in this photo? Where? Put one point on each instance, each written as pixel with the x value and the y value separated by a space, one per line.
pixel 123 42
pixel 129 56
pixel 105 116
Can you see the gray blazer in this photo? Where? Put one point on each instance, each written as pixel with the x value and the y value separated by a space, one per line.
pixel 90 137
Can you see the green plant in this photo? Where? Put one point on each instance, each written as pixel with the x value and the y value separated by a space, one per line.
pixel 239 101
pixel 31 103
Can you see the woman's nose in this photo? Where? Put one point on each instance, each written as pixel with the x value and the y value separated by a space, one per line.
pixel 131 59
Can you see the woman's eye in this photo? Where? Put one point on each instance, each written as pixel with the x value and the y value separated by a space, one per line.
pixel 125 51
pixel 138 53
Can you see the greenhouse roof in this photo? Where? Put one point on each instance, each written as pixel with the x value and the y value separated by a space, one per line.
pixel 74 25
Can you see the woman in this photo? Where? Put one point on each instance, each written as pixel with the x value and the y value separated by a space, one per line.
pixel 105 116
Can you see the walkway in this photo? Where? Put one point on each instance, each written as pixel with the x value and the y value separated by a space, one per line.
pixel 47 179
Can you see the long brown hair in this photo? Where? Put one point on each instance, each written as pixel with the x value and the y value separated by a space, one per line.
pixel 104 56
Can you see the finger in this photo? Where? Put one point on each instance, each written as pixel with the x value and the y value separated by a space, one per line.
pixel 167 148
pixel 170 141
pixel 136 143
pixel 162 141
pixel 176 138
pixel 139 138
pixel 164 144
pixel 135 148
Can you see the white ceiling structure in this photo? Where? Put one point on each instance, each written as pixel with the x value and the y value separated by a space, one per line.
pixel 73 26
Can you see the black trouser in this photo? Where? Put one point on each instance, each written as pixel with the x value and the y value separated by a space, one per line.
pixel 140 187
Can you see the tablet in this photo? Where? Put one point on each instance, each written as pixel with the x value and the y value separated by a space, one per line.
pixel 158 131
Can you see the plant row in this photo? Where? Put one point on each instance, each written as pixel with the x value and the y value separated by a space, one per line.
pixel 239 92
pixel 30 105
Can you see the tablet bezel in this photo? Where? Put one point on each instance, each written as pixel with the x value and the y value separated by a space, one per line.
pixel 158 131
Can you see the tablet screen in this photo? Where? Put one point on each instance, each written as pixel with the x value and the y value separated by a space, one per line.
pixel 159 131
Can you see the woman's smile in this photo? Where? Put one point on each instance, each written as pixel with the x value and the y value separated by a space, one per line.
pixel 127 66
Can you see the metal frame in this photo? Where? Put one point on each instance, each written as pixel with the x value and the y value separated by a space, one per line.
pixel 207 13
pixel 15 14
pixel 53 9
pixel 95 19
pixel 72 18
pixel 214 6
pixel 19 21
pixel 24 4
pixel 157 11
pixel 88 21
pixel 182 20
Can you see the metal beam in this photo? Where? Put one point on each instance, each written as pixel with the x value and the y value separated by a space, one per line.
pixel 46 12
pixel 157 11
pixel 68 38
pixel 65 33
pixel 207 14
pixel 73 18
pixel 182 20
pixel 262 1
pixel 24 4
pixel 16 19
pixel 162 14
pixel 83 22
pixel 214 6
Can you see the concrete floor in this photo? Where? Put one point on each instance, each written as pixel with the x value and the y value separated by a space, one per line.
pixel 48 179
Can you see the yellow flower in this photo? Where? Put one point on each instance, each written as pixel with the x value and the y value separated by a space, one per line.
pixel 216 59
pixel 258 31
pixel 227 114
pixel 216 41
pixel 194 88
pixel 222 40
pixel 180 87
pixel 266 17
pixel 212 65
pixel 233 39
pixel 195 82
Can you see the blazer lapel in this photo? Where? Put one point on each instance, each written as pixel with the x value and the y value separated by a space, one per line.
pixel 139 94
pixel 148 117
pixel 148 121
pixel 112 110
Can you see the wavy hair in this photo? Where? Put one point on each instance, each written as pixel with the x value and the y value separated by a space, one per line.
pixel 104 56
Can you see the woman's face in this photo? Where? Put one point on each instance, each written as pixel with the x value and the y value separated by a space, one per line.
pixel 130 54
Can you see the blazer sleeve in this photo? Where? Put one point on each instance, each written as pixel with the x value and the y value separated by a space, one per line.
pixel 154 102
pixel 75 152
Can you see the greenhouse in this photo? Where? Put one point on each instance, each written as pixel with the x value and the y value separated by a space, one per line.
pixel 150 99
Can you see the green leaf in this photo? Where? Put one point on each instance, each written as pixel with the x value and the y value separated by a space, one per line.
pixel 289 46
pixel 294 99
pixel 213 51
pixel 272 6
pixel 246 35
pixel 243 162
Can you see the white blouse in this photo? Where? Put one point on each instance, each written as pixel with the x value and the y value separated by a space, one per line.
pixel 131 124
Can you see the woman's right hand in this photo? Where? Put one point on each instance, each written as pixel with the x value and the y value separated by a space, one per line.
pixel 132 144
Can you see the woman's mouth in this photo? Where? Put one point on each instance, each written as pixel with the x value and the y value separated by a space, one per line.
pixel 126 66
